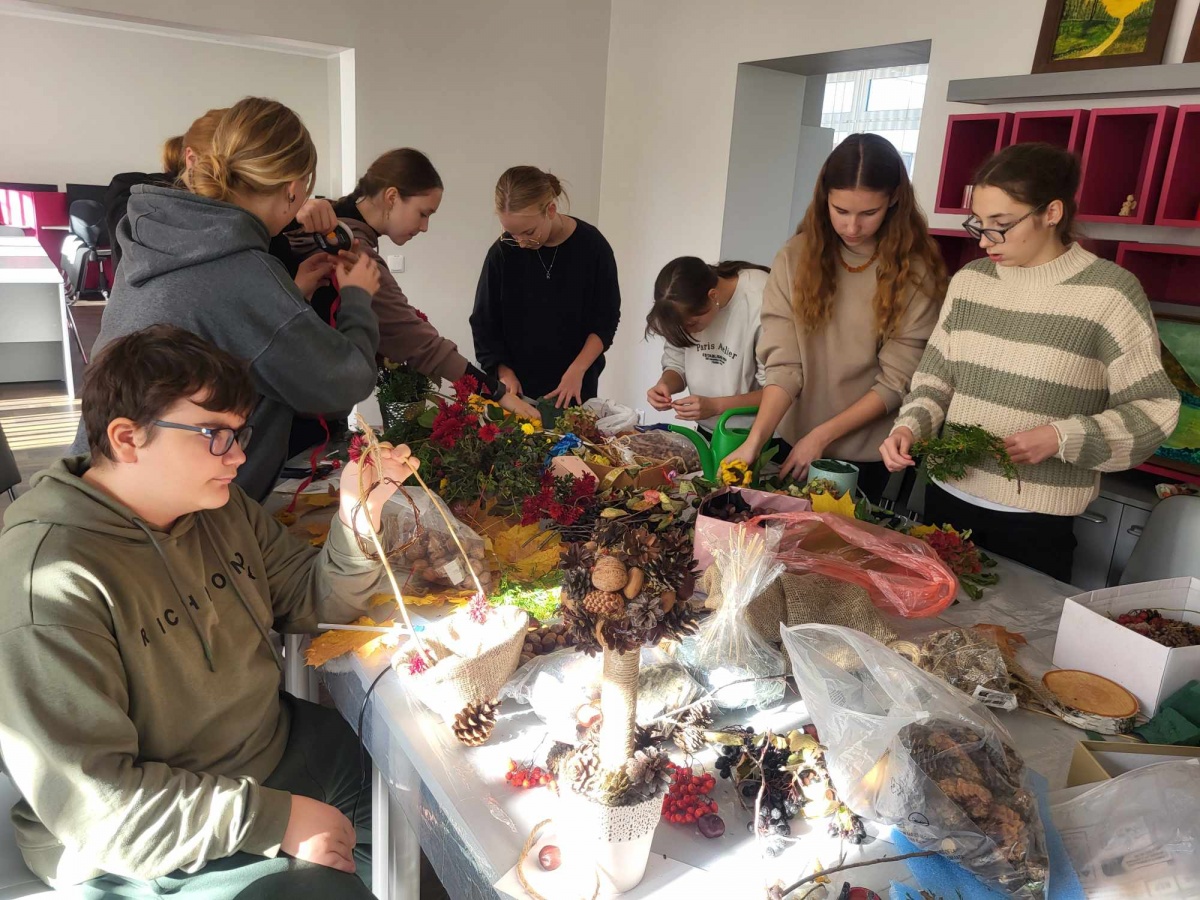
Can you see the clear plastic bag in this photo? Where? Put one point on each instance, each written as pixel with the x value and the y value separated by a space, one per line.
pixel 727 648
pixel 656 447
pixel 420 544
pixel 902 574
pixel 1137 835
pixel 908 750
pixel 612 418
pixel 561 684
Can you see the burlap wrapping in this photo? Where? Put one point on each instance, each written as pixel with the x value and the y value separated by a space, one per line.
pixel 473 661
pixel 618 706
pixel 803 600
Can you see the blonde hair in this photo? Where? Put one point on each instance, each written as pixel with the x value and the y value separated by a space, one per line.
pixel 199 137
pixel 523 187
pixel 257 146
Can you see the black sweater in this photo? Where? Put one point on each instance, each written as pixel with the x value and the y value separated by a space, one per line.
pixel 536 325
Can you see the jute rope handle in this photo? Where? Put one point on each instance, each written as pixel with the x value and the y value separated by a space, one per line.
pixel 529 842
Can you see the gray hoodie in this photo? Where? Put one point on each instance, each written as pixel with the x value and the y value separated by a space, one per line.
pixel 203 265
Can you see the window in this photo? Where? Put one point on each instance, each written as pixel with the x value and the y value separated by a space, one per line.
pixel 886 102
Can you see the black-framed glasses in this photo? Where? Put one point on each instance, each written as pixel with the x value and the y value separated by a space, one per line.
pixel 220 440
pixel 975 229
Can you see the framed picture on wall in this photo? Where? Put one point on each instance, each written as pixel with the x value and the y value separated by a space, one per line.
pixel 1192 53
pixel 1102 34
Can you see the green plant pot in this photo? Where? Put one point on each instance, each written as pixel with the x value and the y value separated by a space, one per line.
pixel 833 470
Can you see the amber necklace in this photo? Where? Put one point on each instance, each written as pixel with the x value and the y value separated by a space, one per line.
pixel 854 270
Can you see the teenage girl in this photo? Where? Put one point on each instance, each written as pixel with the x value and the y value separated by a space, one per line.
pixel 198 259
pixel 396 199
pixel 710 319
pixel 1047 346
pixel 848 307
pixel 547 304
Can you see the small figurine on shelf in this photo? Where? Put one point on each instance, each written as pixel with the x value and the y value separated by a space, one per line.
pixel 1128 207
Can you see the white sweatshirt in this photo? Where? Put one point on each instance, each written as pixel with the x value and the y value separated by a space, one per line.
pixel 723 362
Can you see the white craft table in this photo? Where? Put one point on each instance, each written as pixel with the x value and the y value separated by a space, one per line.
pixel 34 340
pixel 455 804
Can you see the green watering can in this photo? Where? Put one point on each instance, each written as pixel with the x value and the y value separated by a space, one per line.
pixel 724 441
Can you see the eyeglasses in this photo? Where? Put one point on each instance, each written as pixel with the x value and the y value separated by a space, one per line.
pixel 509 241
pixel 975 228
pixel 220 440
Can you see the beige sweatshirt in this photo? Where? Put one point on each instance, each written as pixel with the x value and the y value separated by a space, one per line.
pixel 829 370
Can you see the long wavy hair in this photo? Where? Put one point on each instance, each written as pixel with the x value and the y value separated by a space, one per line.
pixel 908 257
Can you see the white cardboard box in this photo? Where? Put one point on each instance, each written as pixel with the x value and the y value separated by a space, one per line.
pixel 1089 640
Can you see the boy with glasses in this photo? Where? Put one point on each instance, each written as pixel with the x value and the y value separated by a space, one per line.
pixel 140 712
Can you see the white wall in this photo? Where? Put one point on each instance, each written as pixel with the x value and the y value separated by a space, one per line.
pixel 96 101
pixel 762 163
pixel 672 75
pixel 479 85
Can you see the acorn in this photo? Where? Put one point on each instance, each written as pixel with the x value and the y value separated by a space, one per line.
pixel 609 574
pixel 633 587
pixel 668 601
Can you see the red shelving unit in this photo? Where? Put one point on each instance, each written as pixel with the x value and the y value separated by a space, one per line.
pixel 958 248
pixel 1064 128
pixel 1169 273
pixel 1180 204
pixel 1124 154
pixel 969 141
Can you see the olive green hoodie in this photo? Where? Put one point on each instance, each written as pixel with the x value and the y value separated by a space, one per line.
pixel 139 692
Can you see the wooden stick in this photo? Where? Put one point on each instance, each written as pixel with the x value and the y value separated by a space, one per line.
pixel 869 862
pixel 373 629
pixel 372 449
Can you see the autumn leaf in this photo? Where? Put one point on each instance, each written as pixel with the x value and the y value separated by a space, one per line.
pixel 318 500
pixel 825 503
pixel 333 644
pixel 520 552
pixel 1006 640
pixel 381 599
pixel 319 534
pixel 285 517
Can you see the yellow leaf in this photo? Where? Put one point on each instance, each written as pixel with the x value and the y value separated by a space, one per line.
pixel 824 503
pixel 333 644
pixel 285 518
pixel 318 501
pixel 524 552
pixel 319 534
pixel 381 599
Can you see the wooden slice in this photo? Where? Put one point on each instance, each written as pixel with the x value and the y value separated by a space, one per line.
pixel 1090 693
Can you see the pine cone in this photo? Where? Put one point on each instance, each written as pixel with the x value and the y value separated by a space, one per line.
pixel 689 739
pixel 575 556
pixel 645 612
pixel 581 769
pixel 577 583
pixel 648 769
pixel 473 726
pixel 554 759
pixel 604 604
pixel 640 547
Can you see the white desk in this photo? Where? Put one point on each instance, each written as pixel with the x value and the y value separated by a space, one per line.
pixel 471 824
pixel 33 316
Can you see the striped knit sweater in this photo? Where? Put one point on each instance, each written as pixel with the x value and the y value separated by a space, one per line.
pixel 1071 343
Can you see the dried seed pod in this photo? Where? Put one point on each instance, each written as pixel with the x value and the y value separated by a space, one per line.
pixel 604 604
pixel 609 574
pixel 633 587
